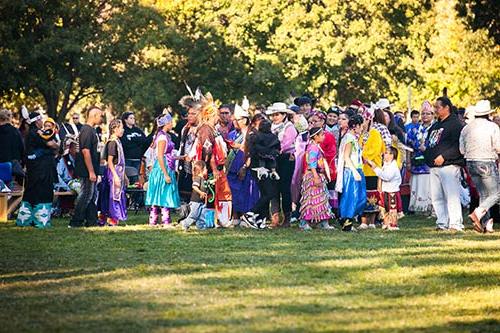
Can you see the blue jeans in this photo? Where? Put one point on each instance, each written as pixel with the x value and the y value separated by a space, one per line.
pixel 484 174
pixel 196 216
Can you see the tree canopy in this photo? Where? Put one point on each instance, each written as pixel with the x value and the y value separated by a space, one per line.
pixel 137 55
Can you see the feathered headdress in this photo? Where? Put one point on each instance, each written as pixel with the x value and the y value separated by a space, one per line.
pixel 245 104
pixel 191 101
pixel 30 117
pixel 209 109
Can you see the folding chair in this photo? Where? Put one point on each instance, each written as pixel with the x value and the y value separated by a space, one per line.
pixel 135 195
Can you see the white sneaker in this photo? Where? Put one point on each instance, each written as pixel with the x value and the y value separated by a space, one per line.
pixel 326 226
pixel 249 221
pixel 489 226
pixel 372 226
pixel 306 227
pixel 363 226
pixel 393 228
pixel 274 175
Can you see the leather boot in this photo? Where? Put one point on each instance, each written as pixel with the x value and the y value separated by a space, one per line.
pixel 275 220
pixel 286 220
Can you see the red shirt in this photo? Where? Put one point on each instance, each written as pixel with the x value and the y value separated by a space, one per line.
pixel 329 147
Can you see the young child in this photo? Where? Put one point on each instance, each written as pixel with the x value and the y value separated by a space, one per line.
pixel 351 184
pixel 48 133
pixel 162 192
pixel 390 179
pixel 112 200
pixel 314 202
pixel 50 130
pixel 267 148
pixel 199 197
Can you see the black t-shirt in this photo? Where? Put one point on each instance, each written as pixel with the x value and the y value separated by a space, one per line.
pixel 201 184
pixel 134 142
pixel 88 140
pixel 442 139
pixel 112 150
pixel 14 150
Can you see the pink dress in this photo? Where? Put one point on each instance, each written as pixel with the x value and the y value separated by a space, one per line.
pixel 315 206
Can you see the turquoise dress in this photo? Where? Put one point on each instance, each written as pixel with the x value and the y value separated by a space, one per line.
pixel 159 193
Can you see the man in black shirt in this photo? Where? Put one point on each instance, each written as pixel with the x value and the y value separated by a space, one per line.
pixel 86 169
pixel 443 156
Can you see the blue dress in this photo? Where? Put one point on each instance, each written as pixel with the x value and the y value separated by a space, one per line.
pixel 245 192
pixel 160 193
pixel 353 198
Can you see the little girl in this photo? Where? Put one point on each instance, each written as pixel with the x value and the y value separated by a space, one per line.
pixel 351 184
pixel 112 200
pixel 314 202
pixel 162 188
pixel 390 177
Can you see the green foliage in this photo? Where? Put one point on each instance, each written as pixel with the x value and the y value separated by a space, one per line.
pixel 137 55
pixel 68 50
pixel 482 14
pixel 335 50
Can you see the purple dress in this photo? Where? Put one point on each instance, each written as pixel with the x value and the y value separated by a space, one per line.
pixel 245 192
pixel 112 200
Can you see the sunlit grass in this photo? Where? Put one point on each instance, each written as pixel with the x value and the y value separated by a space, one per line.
pixel 135 278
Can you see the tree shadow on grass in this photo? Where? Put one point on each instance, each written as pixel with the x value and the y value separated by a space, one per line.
pixel 228 262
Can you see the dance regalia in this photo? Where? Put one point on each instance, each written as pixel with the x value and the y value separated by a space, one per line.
pixel 353 198
pixel 245 193
pixel 298 172
pixel 188 136
pixel 210 147
pixel 373 149
pixel 159 193
pixel 314 205
pixel 420 198
pixel 112 200
pixel 41 174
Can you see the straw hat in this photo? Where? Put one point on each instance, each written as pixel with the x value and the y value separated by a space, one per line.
pixel 482 108
pixel 278 108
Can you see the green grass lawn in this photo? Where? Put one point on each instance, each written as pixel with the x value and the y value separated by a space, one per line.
pixel 135 278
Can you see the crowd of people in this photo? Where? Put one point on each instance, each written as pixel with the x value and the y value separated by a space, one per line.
pixel 237 165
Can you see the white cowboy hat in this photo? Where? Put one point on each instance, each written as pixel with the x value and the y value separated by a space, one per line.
pixel 382 104
pixel 278 108
pixel 239 112
pixel 482 108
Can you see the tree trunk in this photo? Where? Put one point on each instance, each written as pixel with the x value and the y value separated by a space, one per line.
pixel 51 99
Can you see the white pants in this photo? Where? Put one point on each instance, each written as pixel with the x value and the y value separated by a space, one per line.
pixel 445 195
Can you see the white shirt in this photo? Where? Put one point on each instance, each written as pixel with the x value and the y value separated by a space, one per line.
pixel 390 175
pixel 480 140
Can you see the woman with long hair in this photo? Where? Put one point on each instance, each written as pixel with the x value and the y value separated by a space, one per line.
pixel 243 186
